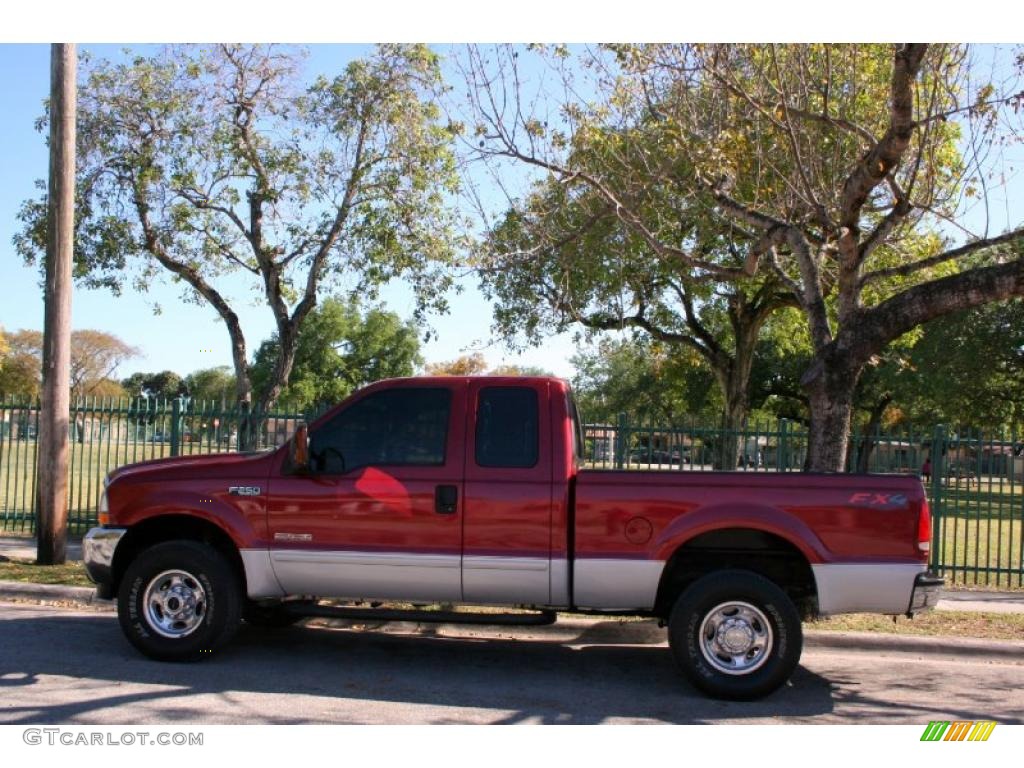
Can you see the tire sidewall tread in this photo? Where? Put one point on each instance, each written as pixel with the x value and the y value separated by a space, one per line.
pixel 722 586
pixel 223 598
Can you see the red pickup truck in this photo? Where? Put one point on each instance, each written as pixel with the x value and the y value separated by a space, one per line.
pixel 474 491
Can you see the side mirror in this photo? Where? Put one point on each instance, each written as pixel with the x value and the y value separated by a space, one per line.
pixel 300 448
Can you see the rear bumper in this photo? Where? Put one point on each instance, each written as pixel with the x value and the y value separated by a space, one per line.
pixel 926 593
pixel 98 548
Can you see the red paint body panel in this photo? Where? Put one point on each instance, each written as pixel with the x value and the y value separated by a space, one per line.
pixel 196 486
pixel 813 512
pixel 378 508
pixel 508 510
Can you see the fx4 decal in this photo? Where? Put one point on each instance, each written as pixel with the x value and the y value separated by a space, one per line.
pixel 879 499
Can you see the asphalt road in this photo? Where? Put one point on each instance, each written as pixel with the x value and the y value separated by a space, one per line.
pixel 69 666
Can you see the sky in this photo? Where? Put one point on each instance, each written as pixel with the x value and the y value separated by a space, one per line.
pixel 184 337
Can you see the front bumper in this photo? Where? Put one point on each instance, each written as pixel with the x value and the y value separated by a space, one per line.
pixel 926 592
pixel 98 548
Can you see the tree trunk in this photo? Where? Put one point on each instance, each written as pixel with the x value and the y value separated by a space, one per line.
pixel 867 441
pixel 831 400
pixel 734 417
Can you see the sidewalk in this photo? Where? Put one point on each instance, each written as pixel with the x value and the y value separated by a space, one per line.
pixel 971 600
pixel 24 548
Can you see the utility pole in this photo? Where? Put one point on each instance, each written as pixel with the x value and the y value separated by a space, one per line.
pixel 55 416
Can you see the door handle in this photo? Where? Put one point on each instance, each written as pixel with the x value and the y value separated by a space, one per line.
pixel 446 499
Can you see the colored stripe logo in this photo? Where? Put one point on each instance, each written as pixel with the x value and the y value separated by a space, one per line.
pixel 958 730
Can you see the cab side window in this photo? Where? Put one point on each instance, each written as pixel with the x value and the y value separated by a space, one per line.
pixel 394 427
pixel 507 427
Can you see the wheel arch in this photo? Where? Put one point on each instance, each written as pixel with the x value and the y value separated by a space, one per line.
pixel 739 547
pixel 171 527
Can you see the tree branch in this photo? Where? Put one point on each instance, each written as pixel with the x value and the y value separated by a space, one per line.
pixel 884 156
pixel 955 253
pixel 892 318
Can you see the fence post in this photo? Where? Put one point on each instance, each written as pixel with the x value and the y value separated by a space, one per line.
pixel 621 441
pixel 783 458
pixel 176 426
pixel 938 453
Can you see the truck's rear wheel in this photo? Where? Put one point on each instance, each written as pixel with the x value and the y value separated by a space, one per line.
pixel 179 601
pixel 735 635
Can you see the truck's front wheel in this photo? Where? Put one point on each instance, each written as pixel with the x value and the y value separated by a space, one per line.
pixel 179 601
pixel 735 635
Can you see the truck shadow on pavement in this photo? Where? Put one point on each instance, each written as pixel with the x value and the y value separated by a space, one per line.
pixel 312 674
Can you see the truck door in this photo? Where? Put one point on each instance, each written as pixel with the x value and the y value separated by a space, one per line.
pixel 508 486
pixel 379 515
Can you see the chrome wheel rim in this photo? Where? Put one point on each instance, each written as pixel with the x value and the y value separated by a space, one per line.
pixel 736 638
pixel 175 604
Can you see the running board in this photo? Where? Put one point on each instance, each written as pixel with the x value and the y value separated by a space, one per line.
pixel 531 619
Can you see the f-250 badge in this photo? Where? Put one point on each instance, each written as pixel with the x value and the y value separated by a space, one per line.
pixel 244 490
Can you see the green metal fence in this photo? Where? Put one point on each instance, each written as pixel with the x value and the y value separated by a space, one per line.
pixel 974 481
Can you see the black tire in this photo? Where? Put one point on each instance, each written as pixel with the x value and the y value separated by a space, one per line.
pixel 743 607
pixel 270 616
pixel 176 575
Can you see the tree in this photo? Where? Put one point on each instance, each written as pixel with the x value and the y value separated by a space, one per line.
pixel 650 381
pixel 572 253
pixel 966 370
pixel 164 385
pixel 211 384
pixel 208 162
pixel 836 164
pixel 95 356
pixel 21 372
pixel 339 349
pixel 510 369
pixel 466 365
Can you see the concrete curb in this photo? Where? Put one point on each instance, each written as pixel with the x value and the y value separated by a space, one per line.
pixel 51 593
pixel 583 630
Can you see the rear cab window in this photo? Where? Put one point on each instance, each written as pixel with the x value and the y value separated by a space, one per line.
pixel 507 427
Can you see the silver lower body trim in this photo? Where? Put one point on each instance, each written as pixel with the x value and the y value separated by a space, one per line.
pixel 616 584
pixel 501 580
pixel 601 584
pixel 260 580
pixel 366 575
pixel 560 597
pixel 865 587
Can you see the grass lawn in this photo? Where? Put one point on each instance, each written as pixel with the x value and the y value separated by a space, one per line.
pixel 990 626
pixel 26 570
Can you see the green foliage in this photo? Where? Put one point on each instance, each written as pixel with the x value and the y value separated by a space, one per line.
pixel 649 381
pixel 341 348
pixel 163 385
pixel 967 369
pixel 211 384
pixel 20 366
